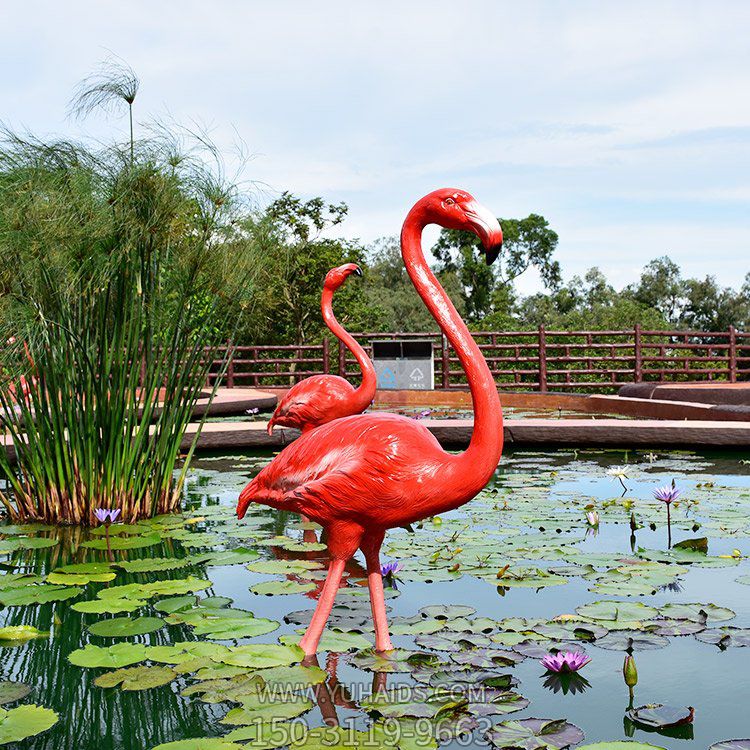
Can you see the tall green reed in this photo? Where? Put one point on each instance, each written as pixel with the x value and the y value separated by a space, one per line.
pixel 121 274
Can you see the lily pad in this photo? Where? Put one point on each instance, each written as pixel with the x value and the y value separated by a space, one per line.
pixel 632 640
pixel 19 633
pixel 124 542
pixel 659 716
pixel 261 655
pixel 725 637
pixel 697 612
pixel 534 734
pixel 258 708
pixel 25 595
pixel 136 678
pixel 731 745
pixel 395 661
pixel 10 692
pixel 112 657
pixel 25 721
pixel 154 564
pixel 123 627
pixel 278 588
pixel 610 610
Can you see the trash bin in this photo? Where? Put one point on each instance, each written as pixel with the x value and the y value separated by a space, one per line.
pixel 404 365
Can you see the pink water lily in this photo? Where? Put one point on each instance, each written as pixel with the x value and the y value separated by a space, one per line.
pixel 565 661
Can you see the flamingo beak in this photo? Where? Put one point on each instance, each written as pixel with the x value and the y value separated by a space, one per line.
pixel 358 271
pixel 487 228
pixel 243 502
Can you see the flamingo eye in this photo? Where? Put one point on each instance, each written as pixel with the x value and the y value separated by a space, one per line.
pixel 449 201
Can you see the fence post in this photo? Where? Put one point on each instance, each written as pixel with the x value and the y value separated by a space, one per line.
pixel 342 360
pixel 326 354
pixel 638 368
pixel 732 354
pixel 230 364
pixel 446 363
pixel 542 360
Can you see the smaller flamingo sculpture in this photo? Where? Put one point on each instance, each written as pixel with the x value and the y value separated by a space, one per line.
pixel 322 398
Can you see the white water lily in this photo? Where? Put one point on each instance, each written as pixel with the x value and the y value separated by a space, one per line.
pixel 620 473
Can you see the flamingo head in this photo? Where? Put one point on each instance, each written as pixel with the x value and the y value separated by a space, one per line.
pixel 337 276
pixel 456 209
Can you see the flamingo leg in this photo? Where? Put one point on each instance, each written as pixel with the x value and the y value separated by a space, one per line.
pixel 311 638
pixel 371 549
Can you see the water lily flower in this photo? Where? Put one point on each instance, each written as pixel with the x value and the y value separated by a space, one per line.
pixel 593 518
pixel 667 494
pixel 565 661
pixel 390 569
pixel 103 515
pixel 620 473
pixel 254 410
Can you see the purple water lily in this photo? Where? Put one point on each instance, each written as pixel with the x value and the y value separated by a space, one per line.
pixel 565 661
pixel 390 569
pixel 103 515
pixel 667 495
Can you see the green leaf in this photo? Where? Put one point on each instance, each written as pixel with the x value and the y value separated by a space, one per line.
pixel 123 627
pixel 606 609
pixel 112 657
pixel 535 734
pixel 262 708
pixel 124 542
pixel 136 678
pixel 25 721
pixel 20 633
pixel 10 692
pixel 202 743
pixel 24 595
pixel 154 564
pixel 278 588
pixel 261 655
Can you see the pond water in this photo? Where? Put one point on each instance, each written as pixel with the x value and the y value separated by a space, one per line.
pixel 486 632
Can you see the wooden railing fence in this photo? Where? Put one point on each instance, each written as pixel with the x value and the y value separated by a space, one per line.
pixel 537 360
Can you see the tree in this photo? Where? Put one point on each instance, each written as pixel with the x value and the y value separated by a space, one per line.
pixel 390 290
pixel 297 258
pixel 661 287
pixel 527 243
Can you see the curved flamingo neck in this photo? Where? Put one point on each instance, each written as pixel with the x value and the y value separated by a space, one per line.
pixel 363 395
pixel 476 465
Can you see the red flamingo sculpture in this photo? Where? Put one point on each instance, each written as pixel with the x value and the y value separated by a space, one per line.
pixel 322 398
pixel 361 475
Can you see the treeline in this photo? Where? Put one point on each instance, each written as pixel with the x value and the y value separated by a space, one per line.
pixel 295 239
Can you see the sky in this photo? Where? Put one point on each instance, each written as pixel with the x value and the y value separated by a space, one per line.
pixel 627 125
